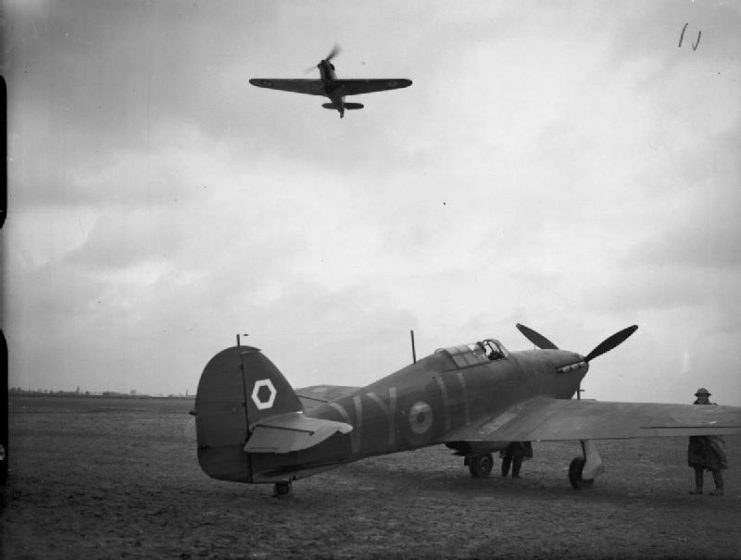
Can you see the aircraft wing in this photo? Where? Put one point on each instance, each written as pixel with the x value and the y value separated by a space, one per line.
pixel 546 419
pixel 355 87
pixel 311 87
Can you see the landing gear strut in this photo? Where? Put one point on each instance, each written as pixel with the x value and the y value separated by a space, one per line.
pixel 282 489
pixel 479 465
pixel 583 470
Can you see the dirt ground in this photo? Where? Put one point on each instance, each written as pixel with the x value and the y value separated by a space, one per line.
pixel 118 478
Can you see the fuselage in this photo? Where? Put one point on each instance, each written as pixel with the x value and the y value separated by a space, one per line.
pixel 425 403
pixel 328 77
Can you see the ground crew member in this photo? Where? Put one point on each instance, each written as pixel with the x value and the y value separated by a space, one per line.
pixel 706 453
pixel 514 454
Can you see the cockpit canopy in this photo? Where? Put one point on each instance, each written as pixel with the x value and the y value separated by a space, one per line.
pixel 476 353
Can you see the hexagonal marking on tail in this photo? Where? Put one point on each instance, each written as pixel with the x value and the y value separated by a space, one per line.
pixel 262 403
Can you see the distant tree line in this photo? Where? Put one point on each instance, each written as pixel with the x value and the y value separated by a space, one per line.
pixel 78 393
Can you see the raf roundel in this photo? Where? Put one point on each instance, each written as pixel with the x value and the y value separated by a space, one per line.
pixel 420 417
pixel 263 394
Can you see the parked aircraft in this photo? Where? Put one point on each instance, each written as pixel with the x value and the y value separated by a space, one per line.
pixel 474 398
pixel 331 86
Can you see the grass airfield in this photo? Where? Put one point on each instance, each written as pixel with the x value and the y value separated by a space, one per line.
pixel 102 477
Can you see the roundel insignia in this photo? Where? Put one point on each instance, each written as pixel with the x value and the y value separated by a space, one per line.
pixel 263 394
pixel 420 417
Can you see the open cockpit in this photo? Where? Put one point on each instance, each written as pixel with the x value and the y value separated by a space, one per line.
pixel 476 353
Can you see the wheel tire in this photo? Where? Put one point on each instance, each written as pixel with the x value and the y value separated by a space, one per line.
pixel 282 488
pixel 480 466
pixel 575 469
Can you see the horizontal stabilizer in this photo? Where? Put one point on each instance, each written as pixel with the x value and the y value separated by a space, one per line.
pixel 349 106
pixel 292 432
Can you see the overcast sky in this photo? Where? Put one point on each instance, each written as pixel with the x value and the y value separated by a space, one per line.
pixel 566 165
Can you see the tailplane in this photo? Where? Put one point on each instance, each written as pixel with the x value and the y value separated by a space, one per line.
pixel 348 106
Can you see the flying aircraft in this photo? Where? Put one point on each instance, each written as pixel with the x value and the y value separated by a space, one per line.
pixel 331 86
pixel 252 427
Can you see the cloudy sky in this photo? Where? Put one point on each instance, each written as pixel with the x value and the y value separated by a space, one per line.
pixel 566 165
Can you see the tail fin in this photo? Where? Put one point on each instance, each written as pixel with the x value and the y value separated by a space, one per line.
pixel 239 387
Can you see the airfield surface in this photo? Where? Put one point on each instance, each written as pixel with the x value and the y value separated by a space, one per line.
pixel 118 478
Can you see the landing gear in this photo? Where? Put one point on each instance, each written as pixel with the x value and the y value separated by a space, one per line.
pixel 480 465
pixel 282 489
pixel 575 471
pixel 583 470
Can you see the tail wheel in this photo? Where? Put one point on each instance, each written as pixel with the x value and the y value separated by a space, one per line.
pixel 480 465
pixel 282 489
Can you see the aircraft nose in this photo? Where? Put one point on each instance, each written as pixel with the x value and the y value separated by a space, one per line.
pixel 572 362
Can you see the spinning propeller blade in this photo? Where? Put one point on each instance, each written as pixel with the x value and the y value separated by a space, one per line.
pixel 333 53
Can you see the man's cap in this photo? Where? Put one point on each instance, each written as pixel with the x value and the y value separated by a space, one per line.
pixel 702 391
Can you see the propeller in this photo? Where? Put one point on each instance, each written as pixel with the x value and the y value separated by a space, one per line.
pixel 333 53
pixel 610 342
pixel 536 338
pixel 605 346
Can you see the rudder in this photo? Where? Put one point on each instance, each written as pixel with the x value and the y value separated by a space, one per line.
pixel 238 387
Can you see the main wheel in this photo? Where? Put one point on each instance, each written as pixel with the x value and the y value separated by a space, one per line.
pixel 575 470
pixel 480 465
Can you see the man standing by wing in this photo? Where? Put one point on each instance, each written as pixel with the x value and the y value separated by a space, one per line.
pixel 706 453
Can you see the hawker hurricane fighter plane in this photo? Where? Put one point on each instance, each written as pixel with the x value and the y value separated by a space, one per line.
pixel 329 85
pixel 253 427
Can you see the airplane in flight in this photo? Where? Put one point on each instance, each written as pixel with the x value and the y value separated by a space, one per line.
pixel 331 86
pixel 253 427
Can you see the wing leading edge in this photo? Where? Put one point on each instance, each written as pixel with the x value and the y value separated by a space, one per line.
pixel 310 87
pixel 357 87
pixel 339 87
pixel 546 419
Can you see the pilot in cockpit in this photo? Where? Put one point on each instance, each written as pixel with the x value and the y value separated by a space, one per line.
pixel 491 350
